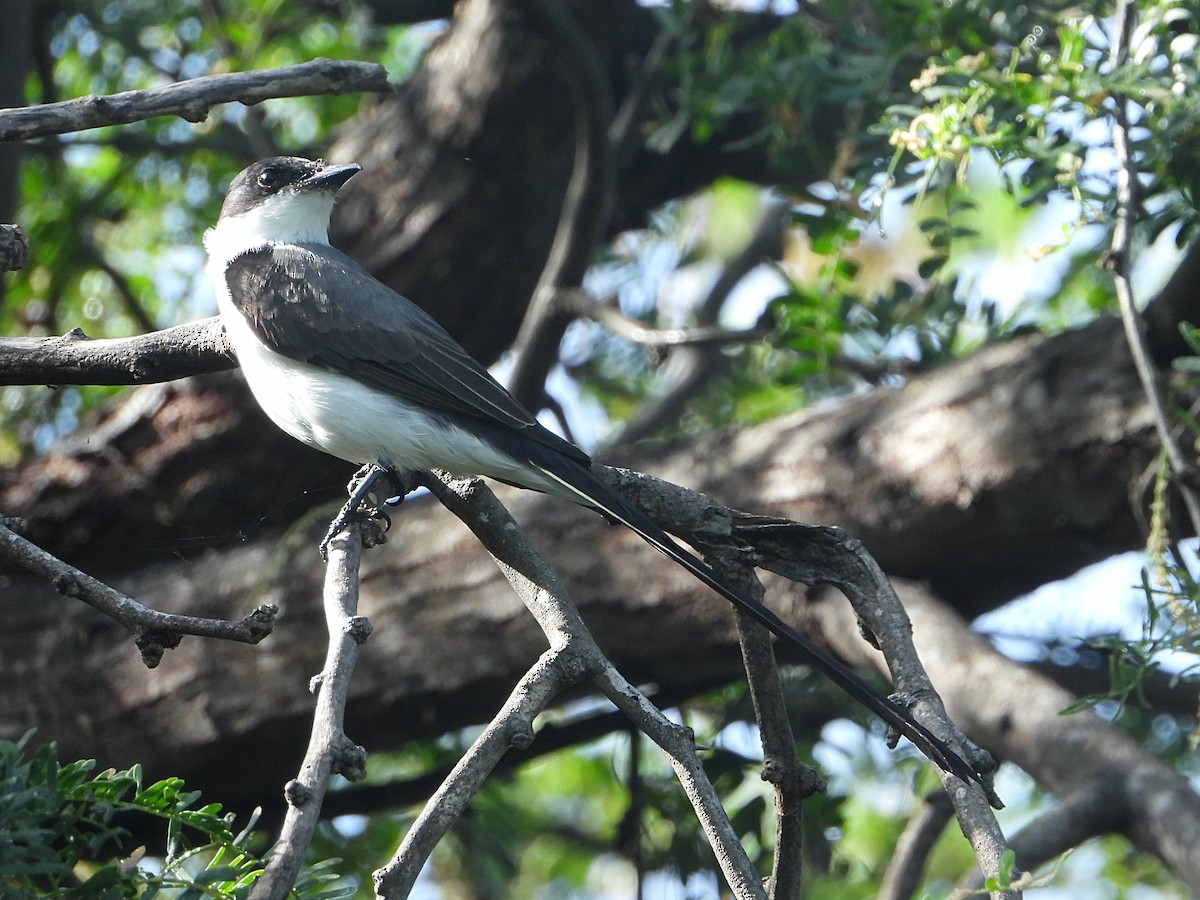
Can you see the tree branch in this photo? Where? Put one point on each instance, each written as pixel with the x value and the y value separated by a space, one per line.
pixel 695 366
pixel 558 669
pixel 816 555
pixel 1119 262
pixel 792 780
pixel 191 349
pixel 330 751
pixel 581 304
pixel 1076 819
pixel 125 292
pixel 907 865
pixel 153 631
pixel 192 99
pixel 584 210
pixel 551 737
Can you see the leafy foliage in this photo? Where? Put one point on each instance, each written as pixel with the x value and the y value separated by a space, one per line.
pixel 61 828
pixel 965 129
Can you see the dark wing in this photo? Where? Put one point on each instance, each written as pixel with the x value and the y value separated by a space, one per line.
pixel 314 304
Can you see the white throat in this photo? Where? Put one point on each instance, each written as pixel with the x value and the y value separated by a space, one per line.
pixel 289 218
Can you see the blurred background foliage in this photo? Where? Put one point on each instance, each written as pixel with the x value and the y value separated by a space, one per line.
pixel 970 202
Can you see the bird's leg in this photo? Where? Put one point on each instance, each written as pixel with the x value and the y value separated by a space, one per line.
pixel 404 482
pixel 358 488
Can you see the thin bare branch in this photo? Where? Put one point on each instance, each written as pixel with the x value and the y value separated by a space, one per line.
pixel 192 99
pixel 329 752
pixel 1119 263
pixel 623 136
pixel 696 366
pixel 581 304
pixel 129 299
pixel 154 631
pixel 551 738
pixel 678 743
pixel 907 865
pixel 792 780
pixel 821 555
pixel 556 670
pixel 585 205
pixel 815 555
pixel 573 657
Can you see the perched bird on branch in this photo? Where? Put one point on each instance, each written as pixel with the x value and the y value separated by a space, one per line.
pixel 345 364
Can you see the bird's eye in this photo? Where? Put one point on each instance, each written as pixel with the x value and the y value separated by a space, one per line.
pixel 270 179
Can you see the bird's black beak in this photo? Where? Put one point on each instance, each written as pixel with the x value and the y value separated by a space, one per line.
pixel 329 178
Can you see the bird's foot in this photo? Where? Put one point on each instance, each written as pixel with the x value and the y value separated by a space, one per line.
pixel 354 510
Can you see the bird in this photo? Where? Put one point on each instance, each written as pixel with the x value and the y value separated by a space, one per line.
pixel 343 363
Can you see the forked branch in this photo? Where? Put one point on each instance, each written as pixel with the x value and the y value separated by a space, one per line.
pixel 573 658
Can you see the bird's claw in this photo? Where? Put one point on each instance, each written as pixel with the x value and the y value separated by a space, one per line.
pixel 354 511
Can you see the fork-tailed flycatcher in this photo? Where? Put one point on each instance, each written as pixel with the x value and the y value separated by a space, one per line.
pixel 346 365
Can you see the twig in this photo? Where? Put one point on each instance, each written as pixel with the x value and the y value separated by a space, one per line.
pixel 585 204
pixel 329 752
pixel 551 738
pixel 192 99
pixel 129 299
pixel 697 366
pixel 904 871
pixel 816 555
pixel 581 304
pixel 74 358
pixel 556 670
pixel 629 830
pixel 622 133
pixel 1119 263
pixel 792 780
pixel 154 631
pixel 678 743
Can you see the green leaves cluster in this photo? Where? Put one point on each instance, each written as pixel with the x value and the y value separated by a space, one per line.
pixel 1041 92
pixel 62 826
pixel 1032 91
pixel 718 71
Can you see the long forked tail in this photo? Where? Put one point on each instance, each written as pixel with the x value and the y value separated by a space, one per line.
pixel 591 491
